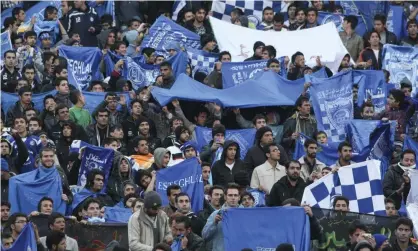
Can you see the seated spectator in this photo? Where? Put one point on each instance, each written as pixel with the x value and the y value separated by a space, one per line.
pixel 183 135
pixel 45 206
pixel 172 192
pixel 79 115
pixel 56 241
pixel 403 235
pixel 145 181
pixel 142 157
pixel 5 212
pixel 6 240
pixel 228 165
pixel 247 200
pixel 390 208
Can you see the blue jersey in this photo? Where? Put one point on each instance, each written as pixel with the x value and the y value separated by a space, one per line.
pixel 34 145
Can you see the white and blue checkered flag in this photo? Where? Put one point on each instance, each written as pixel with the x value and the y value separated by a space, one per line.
pixel 177 7
pixel 202 61
pixel 252 9
pixel 361 183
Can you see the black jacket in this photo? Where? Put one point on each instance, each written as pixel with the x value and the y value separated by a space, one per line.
pixel 130 129
pixel 390 38
pixel 6 76
pixel 15 111
pixel 393 181
pixel 197 223
pixel 80 22
pixel 367 54
pixel 189 25
pixel 221 174
pixel 55 132
pixel 16 161
pixel 281 191
pixel 114 184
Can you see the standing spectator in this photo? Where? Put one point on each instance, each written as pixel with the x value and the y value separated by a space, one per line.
pixel 24 102
pixel 63 92
pixel 228 165
pixel 200 24
pixel 218 139
pixel 183 205
pixel 403 234
pixel 63 114
pixel 396 183
pixel 311 18
pixel 79 115
pixel 267 174
pixel 29 74
pixel 300 122
pixel 11 163
pixel 258 49
pixel 10 72
pixel 372 55
pixel 213 232
pixel 345 153
pixel 300 22
pixel 67 7
pixel 290 186
pixel 141 155
pixel 215 199
pixel 390 208
pixel 17 222
pixel 386 37
pixel 291 14
pixel 412 38
pixel 311 166
pixel 172 192
pixel 171 139
pixel 5 212
pixel 351 40
pixel 30 53
pixel 99 131
pixel 110 104
pixel 148 226
pixel 85 22
pixel 190 240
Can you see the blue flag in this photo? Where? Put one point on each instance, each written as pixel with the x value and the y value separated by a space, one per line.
pixel 268 90
pixel 27 189
pixel 52 27
pixel 359 131
pixel 177 7
pixel 259 196
pixel 82 196
pixel 235 73
pixel 396 21
pixel 381 145
pixel 338 19
pixel 365 9
pixel 371 84
pixel 410 144
pixel 25 241
pixel 95 98
pixel 202 61
pixel 401 62
pixel 117 214
pixel 77 145
pixel 244 138
pixel 106 7
pixel 83 64
pixel 164 32
pixel 142 74
pixel 176 246
pixel 188 175
pixel 95 158
pixel 6 43
pixel 252 232
pixel 332 101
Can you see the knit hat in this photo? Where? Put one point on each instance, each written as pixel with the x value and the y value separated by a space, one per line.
pixel 4 165
pixel 188 144
pixel 363 244
pixel 380 238
pixel 241 178
pixel 179 130
pixel 258 44
pixel 261 131
pixel 131 36
pixel 405 82
pixel 244 21
pixel 298 53
pixel 152 200
pixel 218 128
pixel 206 38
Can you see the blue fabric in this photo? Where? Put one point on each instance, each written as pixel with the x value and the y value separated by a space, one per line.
pixel 411 144
pixel 202 61
pixel 82 196
pixel 95 98
pixel 25 241
pixel 83 64
pixel 259 196
pixel 107 7
pixel 235 73
pixel 6 43
pixel 188 175
pixel 359 131
pixel 34 145
pixel 244 137
pixel 117 214
pixel 176 246
pixel 239 225
pixel 396 58
pixel 366 9
pixel 95 158
pixel 337 19
pixel 371 84
pixel 25 190
pixel 9 99
pixel 177 7
pixel 77 145
pixel 164 32
pixel 142 74
pixel 51 27
pixel 4 165
pixel 110 59
pixel 332 101
pixel 396 21
pixel 268 90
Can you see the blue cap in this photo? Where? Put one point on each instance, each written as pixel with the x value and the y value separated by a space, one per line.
pixel 379 238
pixel 4 165
pixel 188 144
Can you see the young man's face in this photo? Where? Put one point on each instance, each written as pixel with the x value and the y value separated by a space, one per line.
pixel 31 40
pixel 34 126
pixel 341 206
pixel 20 125
pixel 407 91
pixel 201 118
pixel 412 29
pixel 205 172
pixel 403 233
pixel 63 87
pixel 29 74
pixel 311 17
pixel 93 210
pixel 368 112
pixel 144 128
pixel 10 60
pixel 5 211
pixel 390 209
pixel 300 16
pixel 143 147
pixel 98 182
pixel 268 16
pixel 46 207
pixel 231 152
pixel 189 153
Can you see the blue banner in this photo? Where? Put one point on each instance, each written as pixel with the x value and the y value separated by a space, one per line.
pixel 259 196
pixel 140 73
pixel 95 158
pixel 244 138
pixel 409 143
pixel 117 214
pixel 164 32
pixel 83 64
pixel 235 73
pixel 51 27
pixel 202 61
pixel 371 84
pixel 27 189
pixel 6 43
pixel 337 19
pixel 263 230
pixel 359 131
pixel 332 101
pixel 396 21
pixel 401 62
pixel 106 7
pixel 366 9
pixel 268 90
pixel 188 175
pixel 25 241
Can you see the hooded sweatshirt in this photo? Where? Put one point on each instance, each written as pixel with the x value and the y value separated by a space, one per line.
pixel 116 178
pixel 159 158
pixel 221 173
